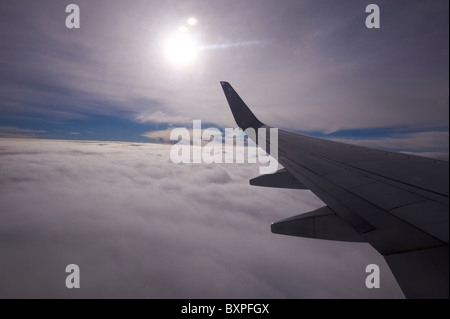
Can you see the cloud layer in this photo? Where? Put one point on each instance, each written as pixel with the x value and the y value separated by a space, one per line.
pixel 141 226
pixel 428 144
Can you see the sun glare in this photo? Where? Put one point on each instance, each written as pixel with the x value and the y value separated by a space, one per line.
pixel 192 21
pixel 181 50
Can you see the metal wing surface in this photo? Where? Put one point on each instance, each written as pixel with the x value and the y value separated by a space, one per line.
pixel 398 203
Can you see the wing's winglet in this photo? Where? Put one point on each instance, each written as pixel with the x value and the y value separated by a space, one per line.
pixel 242 115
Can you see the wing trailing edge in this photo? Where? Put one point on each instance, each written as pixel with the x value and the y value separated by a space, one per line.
pixel 321 223
pixel 281 179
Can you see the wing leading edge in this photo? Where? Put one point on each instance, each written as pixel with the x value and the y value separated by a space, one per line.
pixel 396 202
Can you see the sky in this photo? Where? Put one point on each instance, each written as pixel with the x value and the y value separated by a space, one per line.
pixel 308 66
pixel 83 180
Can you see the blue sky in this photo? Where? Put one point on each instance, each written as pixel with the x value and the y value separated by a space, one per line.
pixel 308 66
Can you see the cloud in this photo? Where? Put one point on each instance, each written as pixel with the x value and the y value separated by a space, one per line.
pixel 162 136
pixel 429 144
pixel 18 130
pixel 15 132
pixel 140 226
pixel 316 68
pixel 161 117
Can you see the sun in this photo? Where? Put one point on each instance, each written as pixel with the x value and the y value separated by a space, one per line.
pixel 192 21
pixel 181 50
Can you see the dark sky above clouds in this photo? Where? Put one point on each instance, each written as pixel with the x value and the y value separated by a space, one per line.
pixel 305 65
pixel 141 226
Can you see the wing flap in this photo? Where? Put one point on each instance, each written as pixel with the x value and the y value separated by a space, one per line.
pixel 384 231
pixel 385 196
pixel 418 214
pixel 281 179
pixel 322 223
pixel 319 187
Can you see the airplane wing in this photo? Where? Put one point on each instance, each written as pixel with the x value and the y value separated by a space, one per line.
pixel 398 203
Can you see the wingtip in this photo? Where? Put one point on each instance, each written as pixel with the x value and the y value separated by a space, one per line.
pixel 243 116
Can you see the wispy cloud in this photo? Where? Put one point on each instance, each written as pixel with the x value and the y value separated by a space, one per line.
pixel 161 117
pixel 15 132
pixel 318 69
pixel 429 144
pixel 162 136
pixel 18 130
